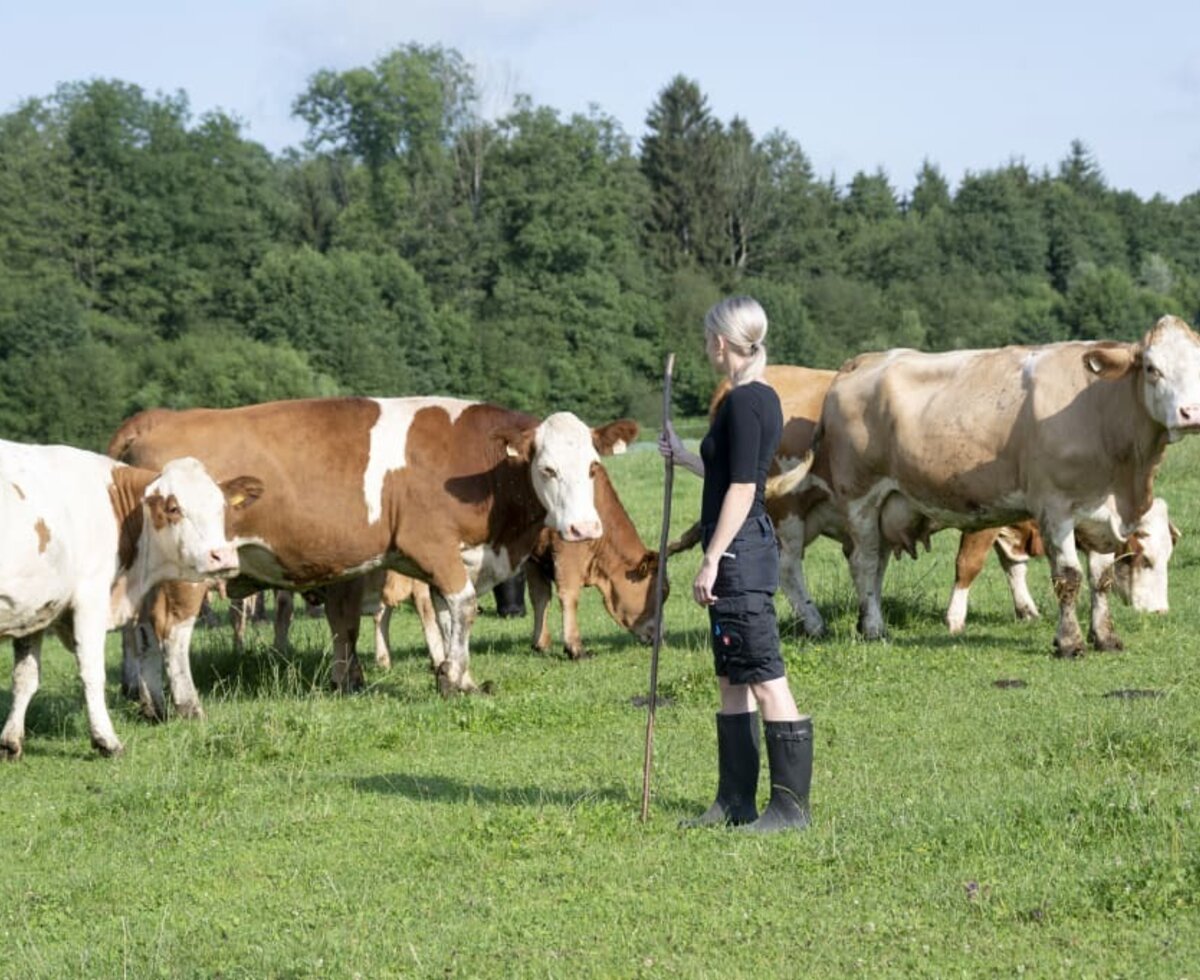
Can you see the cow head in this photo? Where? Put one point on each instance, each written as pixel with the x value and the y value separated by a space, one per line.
pixel 629 597
pixel 183 527
pixel 1168 363
pixel 563 454
pixel 1140 575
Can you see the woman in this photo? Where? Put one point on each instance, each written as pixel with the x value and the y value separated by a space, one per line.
pixel 737 581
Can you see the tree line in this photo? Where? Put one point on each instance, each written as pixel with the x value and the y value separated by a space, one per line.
pixel 415 245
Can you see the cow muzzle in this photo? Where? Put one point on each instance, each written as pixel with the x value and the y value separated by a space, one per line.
pixel 582 531
pixel 223 561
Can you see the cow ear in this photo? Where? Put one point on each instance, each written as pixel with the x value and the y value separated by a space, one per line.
pixel 242 491
pixel 647 566
pixel 517 443
pixel 614 438
pixel 1111 361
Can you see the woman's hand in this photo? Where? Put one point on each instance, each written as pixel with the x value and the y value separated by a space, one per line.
pixel 706 578
pixel 669 444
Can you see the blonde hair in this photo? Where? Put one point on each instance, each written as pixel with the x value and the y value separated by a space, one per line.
pixel 743 324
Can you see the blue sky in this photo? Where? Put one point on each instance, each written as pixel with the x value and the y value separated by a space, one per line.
pixel 861 85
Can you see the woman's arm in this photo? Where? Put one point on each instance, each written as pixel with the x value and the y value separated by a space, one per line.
pixel 735 507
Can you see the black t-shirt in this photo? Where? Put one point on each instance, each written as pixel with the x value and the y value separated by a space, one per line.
pixel 740 445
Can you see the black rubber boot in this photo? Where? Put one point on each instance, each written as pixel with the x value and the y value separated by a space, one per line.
pixel 737 766
pixel 789 755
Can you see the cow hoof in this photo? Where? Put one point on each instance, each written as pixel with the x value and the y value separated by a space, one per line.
pixel 579 653
pixel 1072 651
pixel 191 711
pixel 1107 644
pixel 10 752
pixel 155 714
pixel 488 688
pixel 107 750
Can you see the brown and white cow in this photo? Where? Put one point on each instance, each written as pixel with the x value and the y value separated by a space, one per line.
pixel 617 564
pixel 1070 434
pixel 453 492
pixel 82 540
pixel 1139 573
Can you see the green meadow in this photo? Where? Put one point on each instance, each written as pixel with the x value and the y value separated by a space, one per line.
pixel 980 808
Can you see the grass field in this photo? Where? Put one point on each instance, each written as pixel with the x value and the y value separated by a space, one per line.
pixel 961 828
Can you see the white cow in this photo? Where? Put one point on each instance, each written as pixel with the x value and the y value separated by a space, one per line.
pixel 82 540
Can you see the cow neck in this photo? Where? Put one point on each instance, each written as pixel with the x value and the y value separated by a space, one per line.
pixel 511 491
pixel 1139 454
pixel 130 580
pixel 620 537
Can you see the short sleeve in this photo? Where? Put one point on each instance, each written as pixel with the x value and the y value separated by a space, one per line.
pixel 745 438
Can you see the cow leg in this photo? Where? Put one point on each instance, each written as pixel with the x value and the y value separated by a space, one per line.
pixel 1018 584
pixel 130 674
pixel 285 607
pixel 239 615
pixel 427 614
pixel 1067 577
pixel 456 615
pixel 143 671
pixel 177 646
pixel 1101 633
pixel 539 597
pixel 867 561
pixel 343 610
pixel 27 673
pixel 568 602
pixel 973 547
pixel 173 614
pixel 791 532
pixel 383 620
pixel 86 641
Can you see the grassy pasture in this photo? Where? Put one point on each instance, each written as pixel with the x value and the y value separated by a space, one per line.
pixel 961 828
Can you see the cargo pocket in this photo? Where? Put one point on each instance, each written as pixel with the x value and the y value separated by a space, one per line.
pixel 758 563
pixel 731 625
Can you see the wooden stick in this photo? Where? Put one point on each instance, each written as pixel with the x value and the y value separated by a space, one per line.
pixel 659 587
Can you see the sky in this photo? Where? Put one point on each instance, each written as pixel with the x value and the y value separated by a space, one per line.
pixel 861 85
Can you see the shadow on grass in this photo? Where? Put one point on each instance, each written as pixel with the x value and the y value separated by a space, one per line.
pixel 442 789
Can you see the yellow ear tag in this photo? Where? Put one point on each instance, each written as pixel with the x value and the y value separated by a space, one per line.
pixel 511 452
pixel 237 500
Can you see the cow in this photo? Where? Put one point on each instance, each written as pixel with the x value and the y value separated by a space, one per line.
pixel 1069 434
pixel 617 564
pixel 1139 572
pixel 82 540
pixel 798 501
pixel 450 491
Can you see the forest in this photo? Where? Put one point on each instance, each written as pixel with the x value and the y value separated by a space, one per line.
pixel 413 244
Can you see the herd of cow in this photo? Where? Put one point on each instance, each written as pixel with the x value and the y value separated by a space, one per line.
pixel 436 499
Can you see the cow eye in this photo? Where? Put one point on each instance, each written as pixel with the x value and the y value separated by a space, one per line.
pixel 173 509
pixel 549 472
pixel 1153 373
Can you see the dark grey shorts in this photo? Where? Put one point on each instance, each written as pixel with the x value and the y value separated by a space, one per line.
pixel 745 634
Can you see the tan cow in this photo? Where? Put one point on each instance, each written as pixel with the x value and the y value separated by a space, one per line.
pixel 800 515
pixel 617 563
pixel 1070 434
pixel 1139 572
pixel 449 491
